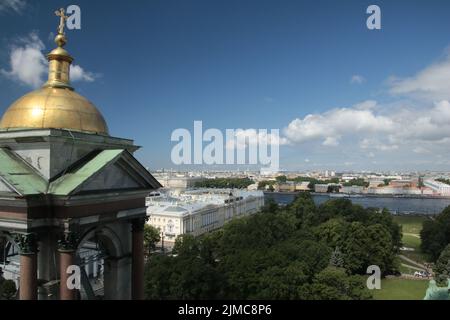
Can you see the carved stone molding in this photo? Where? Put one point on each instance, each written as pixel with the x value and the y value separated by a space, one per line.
pixel 27 243
pixel 68 241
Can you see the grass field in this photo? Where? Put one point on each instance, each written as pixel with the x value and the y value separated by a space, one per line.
pixel 411 241
pixel 401 289
pixel 411 227
pixel 405 289
pixel 410 224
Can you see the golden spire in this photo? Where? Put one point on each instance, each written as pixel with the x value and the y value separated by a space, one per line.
pixel 59 59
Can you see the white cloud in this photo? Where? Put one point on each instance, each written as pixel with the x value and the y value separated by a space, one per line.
pixel 361 131
pixel 430 83
pixel 357 79
pixel 77 73
pixel 413 129
pixel 332 125
pixel 375 144
pixel 366 105
pixel 421 150
pixel 28 64
pixel 331 142
pixel 247 137
pixel 12 5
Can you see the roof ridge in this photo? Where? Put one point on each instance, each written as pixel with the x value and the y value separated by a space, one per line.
pixel 9 171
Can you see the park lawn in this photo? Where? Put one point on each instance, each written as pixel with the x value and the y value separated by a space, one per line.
pixel 411 241
pixel 411 227
pixel 401 289
pixel 410 224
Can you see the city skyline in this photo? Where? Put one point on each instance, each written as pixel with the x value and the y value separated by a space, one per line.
pixel 344 97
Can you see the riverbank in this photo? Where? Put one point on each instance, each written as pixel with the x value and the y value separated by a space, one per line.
pixel 368 195
pixel 396 205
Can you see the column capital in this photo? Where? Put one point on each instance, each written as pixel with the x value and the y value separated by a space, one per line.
pixel 68 241
pixel 27 243
pixel 138 224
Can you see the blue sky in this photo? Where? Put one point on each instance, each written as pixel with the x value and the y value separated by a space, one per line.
pixel 344 97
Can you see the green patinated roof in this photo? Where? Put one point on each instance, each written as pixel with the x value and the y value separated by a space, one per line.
pixel 16 173
pixel 65 184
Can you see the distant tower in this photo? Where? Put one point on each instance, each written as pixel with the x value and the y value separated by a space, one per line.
pixel 71 195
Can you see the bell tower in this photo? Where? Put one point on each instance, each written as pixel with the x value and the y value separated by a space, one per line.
pixel 72 197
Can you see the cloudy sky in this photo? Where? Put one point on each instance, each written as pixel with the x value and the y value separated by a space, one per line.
pixel 343 97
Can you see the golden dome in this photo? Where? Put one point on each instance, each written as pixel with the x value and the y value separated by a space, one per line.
pixel 55 105
pixel 56 108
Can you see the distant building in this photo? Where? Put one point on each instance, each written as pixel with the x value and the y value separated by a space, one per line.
pixel 442 188
pixel 322 188
pixel 177 181
pixel 375 183
pixel 199 211
pixel 302 186
pixel 352 189
pixel 288 186
pixel 404 183
pixel 392 190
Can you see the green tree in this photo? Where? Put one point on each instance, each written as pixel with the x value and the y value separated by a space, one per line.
pixel 364 246
pixel 334 284
pixel 435 234
pixel 304 209
pixel 380 250
pixel 237 183
pixel 331 232
pixel 386 219
pixel 270 206
pixel 335 208
pixel 356 182
pixel 151 238
pixel 292 252
pixel 442 268
pixel 314 255
pixel 337 258
pixel 286 283
pixel 187 274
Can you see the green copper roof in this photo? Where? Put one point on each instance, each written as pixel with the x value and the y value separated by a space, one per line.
pixel 65 184
pixel 20 176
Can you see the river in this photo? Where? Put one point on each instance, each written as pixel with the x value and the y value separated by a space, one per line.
pixel 393 204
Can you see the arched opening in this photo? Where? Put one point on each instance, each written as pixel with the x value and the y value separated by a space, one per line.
pixel 96 256
pixel 9 259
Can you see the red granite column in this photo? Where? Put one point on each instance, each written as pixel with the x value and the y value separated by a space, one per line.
pixel 66 259
pixel 137 270
pixel 28 266
pixel 66 248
